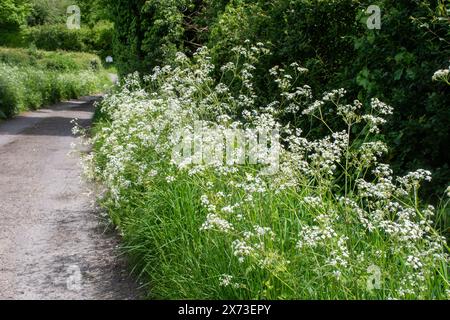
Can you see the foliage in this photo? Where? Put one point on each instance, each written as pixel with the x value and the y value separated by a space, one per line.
pixel 101 38
pixel 397 64
pixel 53 37
pixel 97 40
pixel 145 32
pixel 30 79
pixel 56 60
pixel 332 40
pixel 13 14
pixel 43 25
pixel 149 33
pixel 94 11
pixel 315 228
pixel 296 32
pixel 49 12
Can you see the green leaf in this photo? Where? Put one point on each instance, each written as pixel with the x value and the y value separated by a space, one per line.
pixel 398 74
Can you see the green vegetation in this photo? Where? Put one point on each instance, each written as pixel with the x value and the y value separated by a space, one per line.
pixel 13 14
pixel 42 24
pixel 330 221
pixel 97 39
pixel 346 208
pixel 32 78
pixel 47 12
pixel 332 40
pixel 347 201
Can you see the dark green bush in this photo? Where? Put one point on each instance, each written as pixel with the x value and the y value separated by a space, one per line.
pixel 315 33
pixel 53 37
pixel 97 40
pixel 146 33
pixel 149 33
pixel 13 14
pixel 396 64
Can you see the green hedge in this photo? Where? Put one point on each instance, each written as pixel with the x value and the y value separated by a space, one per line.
pixel 146 33
pixel 13 14
pixel 331 39
pixel 97 40
pixel 396 64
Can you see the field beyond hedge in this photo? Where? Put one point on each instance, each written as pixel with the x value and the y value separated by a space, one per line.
pixel 31 78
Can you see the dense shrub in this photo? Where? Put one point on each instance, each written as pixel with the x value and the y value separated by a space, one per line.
pixel 97 40
pixel 100 39
pixel 53 37
pixel 316 32
pixel 13 39
pixel 42 24
pixel 94 11
pixel 396 64
pixel 48 12
pixel 13 14
pixel 55 60
pixel 146 33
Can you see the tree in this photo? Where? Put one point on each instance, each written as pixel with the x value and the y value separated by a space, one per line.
pixel 13 14
pixel 48 11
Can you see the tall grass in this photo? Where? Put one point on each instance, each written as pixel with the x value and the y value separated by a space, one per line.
pixel 332 222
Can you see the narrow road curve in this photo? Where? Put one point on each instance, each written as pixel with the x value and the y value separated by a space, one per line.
pixel 53 244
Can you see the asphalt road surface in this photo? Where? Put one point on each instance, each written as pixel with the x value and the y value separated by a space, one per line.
pixel 53 242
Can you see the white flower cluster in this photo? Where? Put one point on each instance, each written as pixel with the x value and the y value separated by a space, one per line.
pixel 315 236
pixel 213 221
pixel 413 179
pixel 442 75
pixel 381 107
pixel 313 201
pixel 241 249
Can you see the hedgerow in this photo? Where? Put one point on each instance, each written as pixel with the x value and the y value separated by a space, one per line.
pixel 332 40
pixel 97 40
